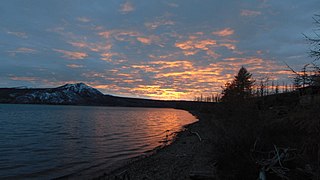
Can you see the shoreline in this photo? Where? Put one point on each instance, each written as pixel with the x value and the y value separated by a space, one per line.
pixel 189 154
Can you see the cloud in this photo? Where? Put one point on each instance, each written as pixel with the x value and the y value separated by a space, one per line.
pixel 23 78
pixel 158 23
pixel 192 47
pixel 74 66
pixel 127 7
pixel 177 79
pixel 94 47
pixel 202 44
pixel 228 45
pixel 83 19
pixel 224 32
pixel 125 35
pixel 169 49
pixel 250 13
pixel 72 54
pixel 144 40
pixel 107 56
pixel 22 50
pixel 199 41
pixel 105 34
pixel 79 44
pixel 18 34
pixel 129 36
pixel 213 54
pixel 183 79
pixel 119 35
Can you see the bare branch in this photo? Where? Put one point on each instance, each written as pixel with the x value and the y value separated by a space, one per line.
pixel 291 69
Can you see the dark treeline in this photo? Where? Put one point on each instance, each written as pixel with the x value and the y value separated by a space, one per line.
pixel 262 87
pixel 269 130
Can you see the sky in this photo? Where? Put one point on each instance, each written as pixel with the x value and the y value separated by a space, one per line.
pixel 159 49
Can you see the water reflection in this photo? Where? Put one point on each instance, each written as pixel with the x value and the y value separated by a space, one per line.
pixel 53 141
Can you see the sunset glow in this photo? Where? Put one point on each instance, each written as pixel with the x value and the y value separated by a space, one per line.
pixel 160 50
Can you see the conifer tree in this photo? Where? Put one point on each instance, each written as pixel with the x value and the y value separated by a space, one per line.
pixel 240 87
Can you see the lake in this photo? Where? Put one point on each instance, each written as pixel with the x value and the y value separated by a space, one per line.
pixel 51 141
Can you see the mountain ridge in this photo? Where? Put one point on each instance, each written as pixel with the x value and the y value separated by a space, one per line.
pixel 82 94
pixel 78 93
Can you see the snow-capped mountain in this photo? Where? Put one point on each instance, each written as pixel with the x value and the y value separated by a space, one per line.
pixel 78 93
pixel 80 89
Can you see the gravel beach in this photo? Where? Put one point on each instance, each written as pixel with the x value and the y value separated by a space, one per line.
pixel 190 156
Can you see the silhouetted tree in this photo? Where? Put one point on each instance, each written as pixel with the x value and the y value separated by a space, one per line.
pixel 276 89
pixel 240 87
pixel 308 76
pixel 310 73
pixel 315 40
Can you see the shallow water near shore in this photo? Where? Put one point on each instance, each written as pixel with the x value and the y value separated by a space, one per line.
pixel 45 142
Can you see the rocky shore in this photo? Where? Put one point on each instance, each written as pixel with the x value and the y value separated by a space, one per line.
pixel 190 156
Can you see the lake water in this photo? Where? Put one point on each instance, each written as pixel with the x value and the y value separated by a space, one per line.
pixel 45 142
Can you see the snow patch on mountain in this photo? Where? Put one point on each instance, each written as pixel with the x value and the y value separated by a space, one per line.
pixel 66 94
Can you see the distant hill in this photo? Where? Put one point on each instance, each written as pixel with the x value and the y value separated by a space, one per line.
pixel 82 94
pixel 78 93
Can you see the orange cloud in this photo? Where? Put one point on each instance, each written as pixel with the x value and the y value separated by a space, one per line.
pixel 74 66
pixel 157 92
pixel 224 32
pixel 183 64
pixel 193 46
pixel 185 45
pixel 250 13
pixel 144 40
pixel 106 57
pixel 125 35
pixel 79 44
pixel 94 47
pixel 105 34
pixel 181 79
pixel 213 54
pixel 228 45
pixel 202 44
pixel 187 79
pixel 72 54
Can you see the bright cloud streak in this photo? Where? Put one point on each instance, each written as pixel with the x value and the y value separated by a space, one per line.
pixel 75 66
pixel 72 54
pixel 144 40
pixel 224 32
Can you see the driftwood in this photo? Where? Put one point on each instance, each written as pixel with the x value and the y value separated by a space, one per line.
pixel 197 134
pixel 272 161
